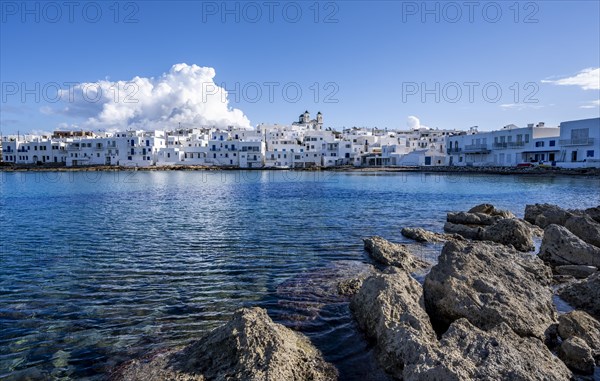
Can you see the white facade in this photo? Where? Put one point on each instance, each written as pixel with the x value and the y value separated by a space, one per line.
pixel 306 144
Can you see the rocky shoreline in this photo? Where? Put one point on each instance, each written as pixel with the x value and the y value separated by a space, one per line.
pixel 484 311
pixel 537 171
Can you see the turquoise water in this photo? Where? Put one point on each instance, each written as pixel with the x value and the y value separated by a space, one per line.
pixel 96 268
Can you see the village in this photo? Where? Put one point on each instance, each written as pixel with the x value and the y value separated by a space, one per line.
pixel 306 143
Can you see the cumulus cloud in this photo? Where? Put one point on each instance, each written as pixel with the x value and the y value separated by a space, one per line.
pixel 587 79
pixel 186 94
pixel 413 122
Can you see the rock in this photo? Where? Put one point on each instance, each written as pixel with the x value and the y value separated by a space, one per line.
pixel 389 308
pixel 594 213
pixel 464 230
pixel 577 355
pixel 249 347
pixel 422 235
pixel 393 254
pixel 543 215
pixel 464 218
pixel 585 228
pixel 535 230
pixel 491 210
pixel 581 324
pixel 576 271
pixel 499 354
pixel 510 231
pixel 349 287
pixel 561 247
pixel 584 295
pixel 488 284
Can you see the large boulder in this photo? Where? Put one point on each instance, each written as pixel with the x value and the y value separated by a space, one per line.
pixel 465 218
pixel 469 232
pixel 422 235
pixel 584 294
pixel 585 228
pixel 498 354
pixel 543 215
pixel 594 213
pixel 562 247
pixel 393 254
pixel 488 284
pixel 389 308
pixel 249 347
pixel 581 324
pixel 576 271
pixel 510 231
pixel 577 355
pixel 491 210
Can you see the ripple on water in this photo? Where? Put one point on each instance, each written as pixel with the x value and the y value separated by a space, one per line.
pixel 95 272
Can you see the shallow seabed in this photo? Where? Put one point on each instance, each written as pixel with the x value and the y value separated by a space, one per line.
pixel 100 267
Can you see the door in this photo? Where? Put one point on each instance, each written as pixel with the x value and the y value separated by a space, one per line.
pixel 574 156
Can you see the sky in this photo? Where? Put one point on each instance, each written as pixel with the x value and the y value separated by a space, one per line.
pixel 385 64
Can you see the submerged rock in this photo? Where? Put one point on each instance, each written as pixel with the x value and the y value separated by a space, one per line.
pixel 488 284
pixel 562 247
pixel 585 228
pixel 543 215
pixel 422 235
pixel 577 355
pixel 393 254
pixel 249 347
pixel 389 308
pixel 584 294
pixel 581 324
pixel 510 231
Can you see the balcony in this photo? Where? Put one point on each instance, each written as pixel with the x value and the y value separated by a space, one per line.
pixel 451 151
pixel 477 148
pixel 503 145
pixel 577 142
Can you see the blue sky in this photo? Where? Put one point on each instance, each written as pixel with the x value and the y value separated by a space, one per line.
pixel 371 61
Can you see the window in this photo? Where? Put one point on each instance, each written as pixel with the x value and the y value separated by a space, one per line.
pixel 128 157
pixel 552 143
pixel 539 144
pixel 590 153
pixel 526 138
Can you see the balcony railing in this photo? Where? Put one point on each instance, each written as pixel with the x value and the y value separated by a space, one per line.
pixel 453 150
pixel 508 145
pixel 577 142
pixel 476 148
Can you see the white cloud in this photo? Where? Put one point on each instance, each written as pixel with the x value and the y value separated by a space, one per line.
pixel 413 122
pixel 186 94
pixel 591 104
pixel 520 106
pixel 587 79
